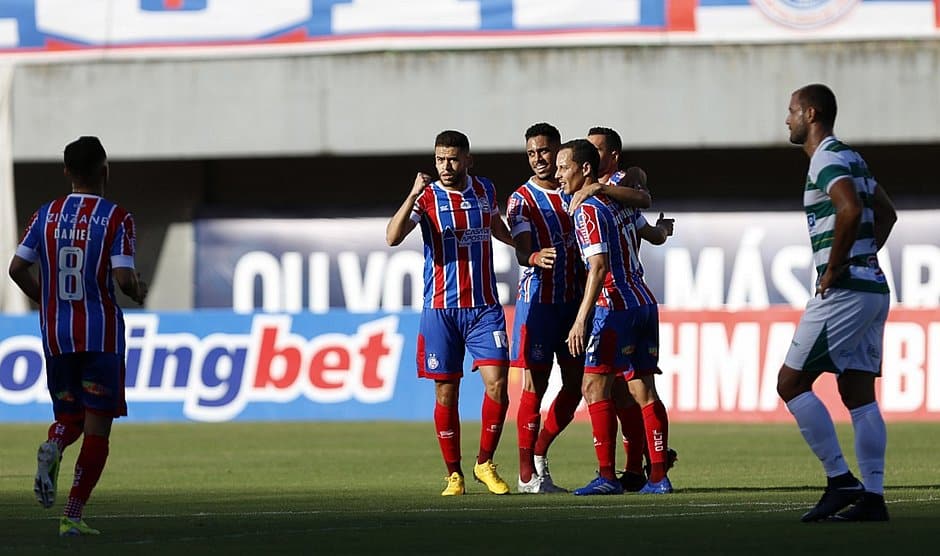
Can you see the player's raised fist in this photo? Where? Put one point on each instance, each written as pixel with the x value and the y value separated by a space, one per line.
pixel 421 181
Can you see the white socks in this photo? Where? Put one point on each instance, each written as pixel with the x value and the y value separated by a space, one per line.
pixel 816 426
pixel 870 441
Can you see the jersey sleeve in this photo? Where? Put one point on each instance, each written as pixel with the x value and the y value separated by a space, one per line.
pixel 490 189
pixel 641 221
pixel 420 207
pixel 28 248
pixel 591 235
pixel 125 243
pixel 517 214
pixel 826 168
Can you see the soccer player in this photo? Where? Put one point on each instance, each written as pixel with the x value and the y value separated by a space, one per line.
pixel 549 291
pixel 81 241
pixel 624 310
pixel 459 216
pixel 850 217
pixel 642 414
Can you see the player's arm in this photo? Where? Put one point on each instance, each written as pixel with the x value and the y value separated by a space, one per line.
pixel 130 283
pixel 885 215
pixel 401 223
pixel 848 209
pixel 21 274
pixel 658 233
pixel 632 193
pixel 543 258
pixel 598 265
pixel 501 231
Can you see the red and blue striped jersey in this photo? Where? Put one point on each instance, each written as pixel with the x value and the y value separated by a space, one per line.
pixel 458 250
pixel 639 220
pixel 543 212
pixel 77 240
pixel 605 226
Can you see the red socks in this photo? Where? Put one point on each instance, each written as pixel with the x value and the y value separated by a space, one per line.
pixel 634 436
pixel 493 416
pixel 88 470
pixel 657 436
pixel 447 424
pixel 64 433
pixel 527 426
pixel 559 415
pixel 604 426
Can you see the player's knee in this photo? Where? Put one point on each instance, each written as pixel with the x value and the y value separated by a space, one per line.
pixel 790 384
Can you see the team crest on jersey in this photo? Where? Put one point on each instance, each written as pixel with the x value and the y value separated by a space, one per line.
pixel 811 220
pixel 805 14
pixel 433 361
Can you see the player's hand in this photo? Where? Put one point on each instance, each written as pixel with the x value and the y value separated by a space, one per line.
pixel 829 278
pixel 576 338
pixel 545 258
pixel 422 180
pixel 142 290
pixel 635 177
pixel 582 195
pixel 667 224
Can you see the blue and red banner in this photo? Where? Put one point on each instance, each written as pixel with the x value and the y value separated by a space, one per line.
pixel 46 26
pixel 216 365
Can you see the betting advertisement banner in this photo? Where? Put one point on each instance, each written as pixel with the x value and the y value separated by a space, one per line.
pixel 317 319
pixel 222 27
pixel 213 366
pixel 715 260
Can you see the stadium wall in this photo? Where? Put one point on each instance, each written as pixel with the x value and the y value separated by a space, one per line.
pixel 667 96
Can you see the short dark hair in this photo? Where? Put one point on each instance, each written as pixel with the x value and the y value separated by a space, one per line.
pixel 583 151
pixel 84 159
pixel 452 138
pixel 613 138
pixel 543 129
pixel 822 99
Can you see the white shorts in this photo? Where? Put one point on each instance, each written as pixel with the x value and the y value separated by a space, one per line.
pixel 844 330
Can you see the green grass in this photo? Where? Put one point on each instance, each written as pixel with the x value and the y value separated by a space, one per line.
pixel 373 488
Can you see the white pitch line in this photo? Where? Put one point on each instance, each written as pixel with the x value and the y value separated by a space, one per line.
pixel 748 507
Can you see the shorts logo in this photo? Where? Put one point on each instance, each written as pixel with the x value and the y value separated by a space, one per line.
pixel 433 362
pixel 805 14
pixel 538 352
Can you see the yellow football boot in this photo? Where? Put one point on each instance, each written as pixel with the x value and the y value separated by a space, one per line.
pixel 486 473
pixel 455 485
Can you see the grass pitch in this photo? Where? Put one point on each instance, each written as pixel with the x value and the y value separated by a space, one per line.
pixel 374 488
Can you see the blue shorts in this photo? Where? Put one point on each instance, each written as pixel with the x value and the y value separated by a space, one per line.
pixel 86 381
pixel 624 340
pixel 540 332
pixel 445 335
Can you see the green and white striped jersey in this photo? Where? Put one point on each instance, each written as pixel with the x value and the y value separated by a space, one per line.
pixel 831 161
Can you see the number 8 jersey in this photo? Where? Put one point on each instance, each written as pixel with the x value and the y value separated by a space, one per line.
pixel 77 240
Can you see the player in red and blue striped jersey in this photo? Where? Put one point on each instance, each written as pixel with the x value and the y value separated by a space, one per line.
pixel 549 290
pixel 80 242
pixel 641 413
pixel 459 216
pixel 623 331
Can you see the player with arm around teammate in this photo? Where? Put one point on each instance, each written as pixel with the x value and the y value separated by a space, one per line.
pixel 850 217
pixel 623 308
pixel 459 216
pixel 642 414
pixel 80 242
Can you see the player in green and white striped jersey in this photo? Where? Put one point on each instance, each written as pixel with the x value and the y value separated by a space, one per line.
pixel 850 217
